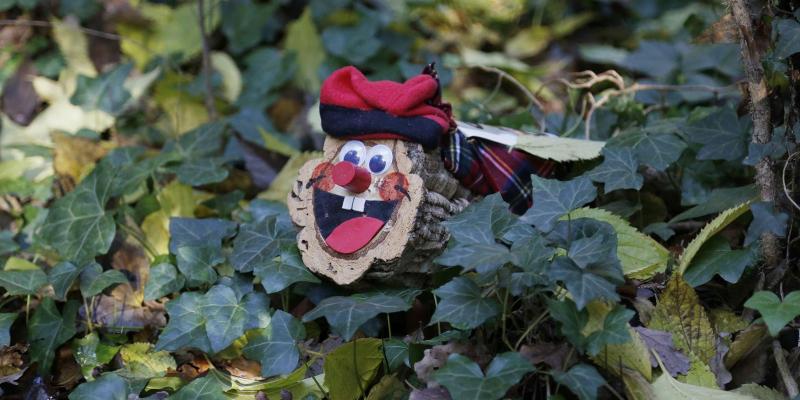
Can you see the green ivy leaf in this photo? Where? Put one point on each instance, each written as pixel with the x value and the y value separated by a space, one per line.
pixel 618 170
pixel 722 135
pixel 106 92
pixel 198 232
pixel 22 282
pixel 94 280
pixel 776 313
pixel 482 221
pixel 6 320
pixel 585 284
pixel 243 23
pixel 197 263
pixel 198 143
pixel 107 387
pixel 275 346
pixel 7 243
pixel 280 272
pixel 187 324
pixel 555 198
pixel 720 199
pixel 570 318
pixel 765 219
pixel 396 353
pixel 205 388
pixel 48 329
pixel 464 379
pixel 655 145
pixel 77 225
pixel 788 42
pixel 614 330
pixel 463 305
pixel 259 242
pixel 475 256
pixel 90 353
pixel 162 280
pixel 347 314
pixel 352 366
pixel 582 379
pixel 202 171
pixel 717 257
pixel 225 317
pixel 62 276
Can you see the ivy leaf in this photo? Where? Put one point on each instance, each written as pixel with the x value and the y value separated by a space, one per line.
pixel 201 171
pixel 347 314
pixel 90 353
pixel 48 329
pixel 22 282
pixel 396 353
pixel 77 225
pixel 225 317
pixel 163 280
pixel 259 242
pixel 765 219
pixel 482 221
pixel 618 170
pixel 788 42
pixel 571 319
pixel 106 92
pixel 197 263
pixel 656 144
pixel 614 331
pixel 475 256
pixel 464 379
pixel 555 198
pixel 463 305
pixel 776 313
pixel 717 257
pixel 205 388
pixel 6 320
pixel 721 134
pixel 277 274
pixel 198 143
pixel 582 379
pixel 94 280
pixel 352 366
pixel 275 346
pixel 62 276
pixel 187 324
pixel 107 387
pixel 198 232
pixel 585 284
pixel 243 23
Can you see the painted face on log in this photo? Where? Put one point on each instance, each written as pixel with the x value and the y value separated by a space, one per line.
pixel 349 205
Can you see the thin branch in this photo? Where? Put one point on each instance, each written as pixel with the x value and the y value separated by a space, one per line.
pixel 209 97
pixel 783 369
pixel 783 180
pixel 46 24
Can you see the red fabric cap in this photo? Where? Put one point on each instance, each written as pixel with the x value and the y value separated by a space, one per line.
pixel 348 87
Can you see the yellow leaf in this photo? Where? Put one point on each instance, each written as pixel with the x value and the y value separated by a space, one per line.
pixel 303 39
pixel 74 156
pixel 183 111
pixel 747 341
pixel 282 184
pixel 667 388
pixel 176 200
pixel 352 366
pixel 528 42
pixel 560 149
pixel 615 358
pixel 74 46
pixel 712 228
pixel 636 387
pixel 699 374
pixel 231 77
pixel 641 256
pixel 679 312
pixel 725 320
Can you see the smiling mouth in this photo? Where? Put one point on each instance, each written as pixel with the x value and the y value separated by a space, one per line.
pixel 348 223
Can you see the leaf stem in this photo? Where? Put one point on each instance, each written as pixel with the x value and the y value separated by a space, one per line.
pixel 438 324
pixel 505 315
pixel 530 328
pixel 314 378
pixel 389 325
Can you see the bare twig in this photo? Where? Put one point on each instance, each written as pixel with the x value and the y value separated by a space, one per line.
pixel 783 179
pixel 209 97
pixel 760 112
pixel 46 24
pixel 783 369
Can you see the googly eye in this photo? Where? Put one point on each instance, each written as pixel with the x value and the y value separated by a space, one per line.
pixel 379 159
pixel 353 151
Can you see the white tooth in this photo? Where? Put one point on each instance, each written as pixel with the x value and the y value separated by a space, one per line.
pixel 358 204
pixel 347 204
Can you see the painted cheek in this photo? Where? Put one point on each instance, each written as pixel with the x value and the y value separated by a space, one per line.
pixel 393 186
pixel 322 177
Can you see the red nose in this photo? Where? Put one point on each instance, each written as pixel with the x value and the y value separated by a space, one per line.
pixel 351 177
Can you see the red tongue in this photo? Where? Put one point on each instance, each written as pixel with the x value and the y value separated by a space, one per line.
pixel 353 234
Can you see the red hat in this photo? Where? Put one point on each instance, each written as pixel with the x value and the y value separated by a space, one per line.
pixel 351 106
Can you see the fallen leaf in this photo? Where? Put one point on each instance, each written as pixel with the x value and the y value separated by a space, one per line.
pixel 661 342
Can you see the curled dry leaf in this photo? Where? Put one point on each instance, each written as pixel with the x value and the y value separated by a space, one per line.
pixel 435 358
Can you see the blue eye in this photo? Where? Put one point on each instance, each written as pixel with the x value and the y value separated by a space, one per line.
pixel 353 152
pixel 379 159
pixel 352 156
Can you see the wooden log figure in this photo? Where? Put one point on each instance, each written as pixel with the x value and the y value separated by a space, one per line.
pixel 393 169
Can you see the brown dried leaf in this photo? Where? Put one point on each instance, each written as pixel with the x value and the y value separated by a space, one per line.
pixel 112 312
pixel 661 342
pixel 746 342
pixel 435 358
pixel 19 99
pixel 552 354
